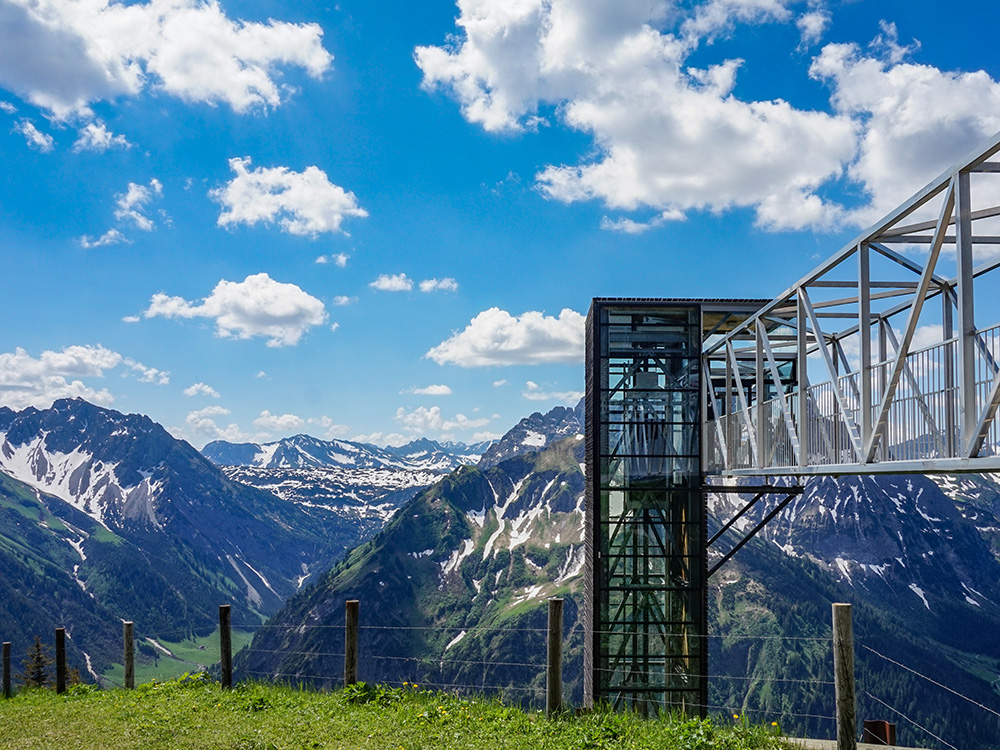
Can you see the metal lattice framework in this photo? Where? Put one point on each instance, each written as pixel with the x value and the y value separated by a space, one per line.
pixel 887 327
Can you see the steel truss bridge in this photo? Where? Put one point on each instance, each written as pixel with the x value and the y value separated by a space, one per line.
pixel 906 379
pixel 872 363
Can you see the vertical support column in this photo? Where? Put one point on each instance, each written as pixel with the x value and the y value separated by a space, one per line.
pixel 6 669
pixel 865 335
pixel 761 396
pixel 802 366
pixel 128 648
pixel 843 671
pixel 883 355
pixel 968 418
pixel 727 408
pixel 553 674
pixel 351 609
pixel 226 645
pixel 60 660
pixel 948 331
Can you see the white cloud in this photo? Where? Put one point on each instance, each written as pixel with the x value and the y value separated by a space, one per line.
pixel 131 319
pixel 35 138
pixel 30 381
pixel 423 420
pixel 380 438
pixel 478 437
pixel 432 390
pixel 63 56
pixel 717 16
pixel 340 300
pixel 630 226
pixel 95 136
pixel 332 429
pixel 130 206
pixel 495 337
pixel 147 374
pixel 278 422
pixel 392 283
pixel 565 396
pixel 918 120
pixel 202 423
pixel 339 260
pixel 261 374
pixel 111 237
pixel 7 108
pixel 257 306
pixel 499 383
pixel 667 136
pixel 439 285
pixel 201 389
pixel 812 25
pixel 302 203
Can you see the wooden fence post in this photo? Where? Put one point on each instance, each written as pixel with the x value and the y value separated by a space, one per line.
pixel 351 642
pixel 225 646
pixel 129 655
pixel 6 669
pixel 60 660
pixel 553 674
pixel 843 673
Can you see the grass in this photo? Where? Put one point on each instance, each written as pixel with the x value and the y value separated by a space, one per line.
pixel 191 655
pixel 194 713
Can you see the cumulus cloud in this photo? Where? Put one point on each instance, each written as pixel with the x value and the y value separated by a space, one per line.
pixel 111 237
pixel 341 300
pixel 533 392
pixel 918 120
pixel 630 226
pixel 668 136
pixel 499 383
pixel 95 136
pixel 495 337
pixel 131 209
pixel 671 137
pixel 35 137
pixel 332 429
pixel 302 203
pixel 479 437
pixel 278 422
pixel 431 390
pixel 202 422
pixel 339 260
pixel 812 25
pixel 63 55
pixel 423 420
pixel 439 285
pixel 256 306
pixel 131 206
pixel 201 389
pixel 38 381
pixel 392 283
pixel 381 438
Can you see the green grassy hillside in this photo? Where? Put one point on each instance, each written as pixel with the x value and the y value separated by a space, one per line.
pixel 193 713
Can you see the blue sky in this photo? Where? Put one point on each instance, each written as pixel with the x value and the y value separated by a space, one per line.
pixel 386 220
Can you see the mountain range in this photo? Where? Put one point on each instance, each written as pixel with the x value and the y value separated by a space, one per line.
pixel 454 588
pixel 105 516
pixel 305 451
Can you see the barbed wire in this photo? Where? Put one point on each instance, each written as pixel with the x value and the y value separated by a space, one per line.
pixel 918 726
pixel 932 681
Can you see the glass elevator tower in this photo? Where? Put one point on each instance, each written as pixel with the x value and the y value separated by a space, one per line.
pixel 645 508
